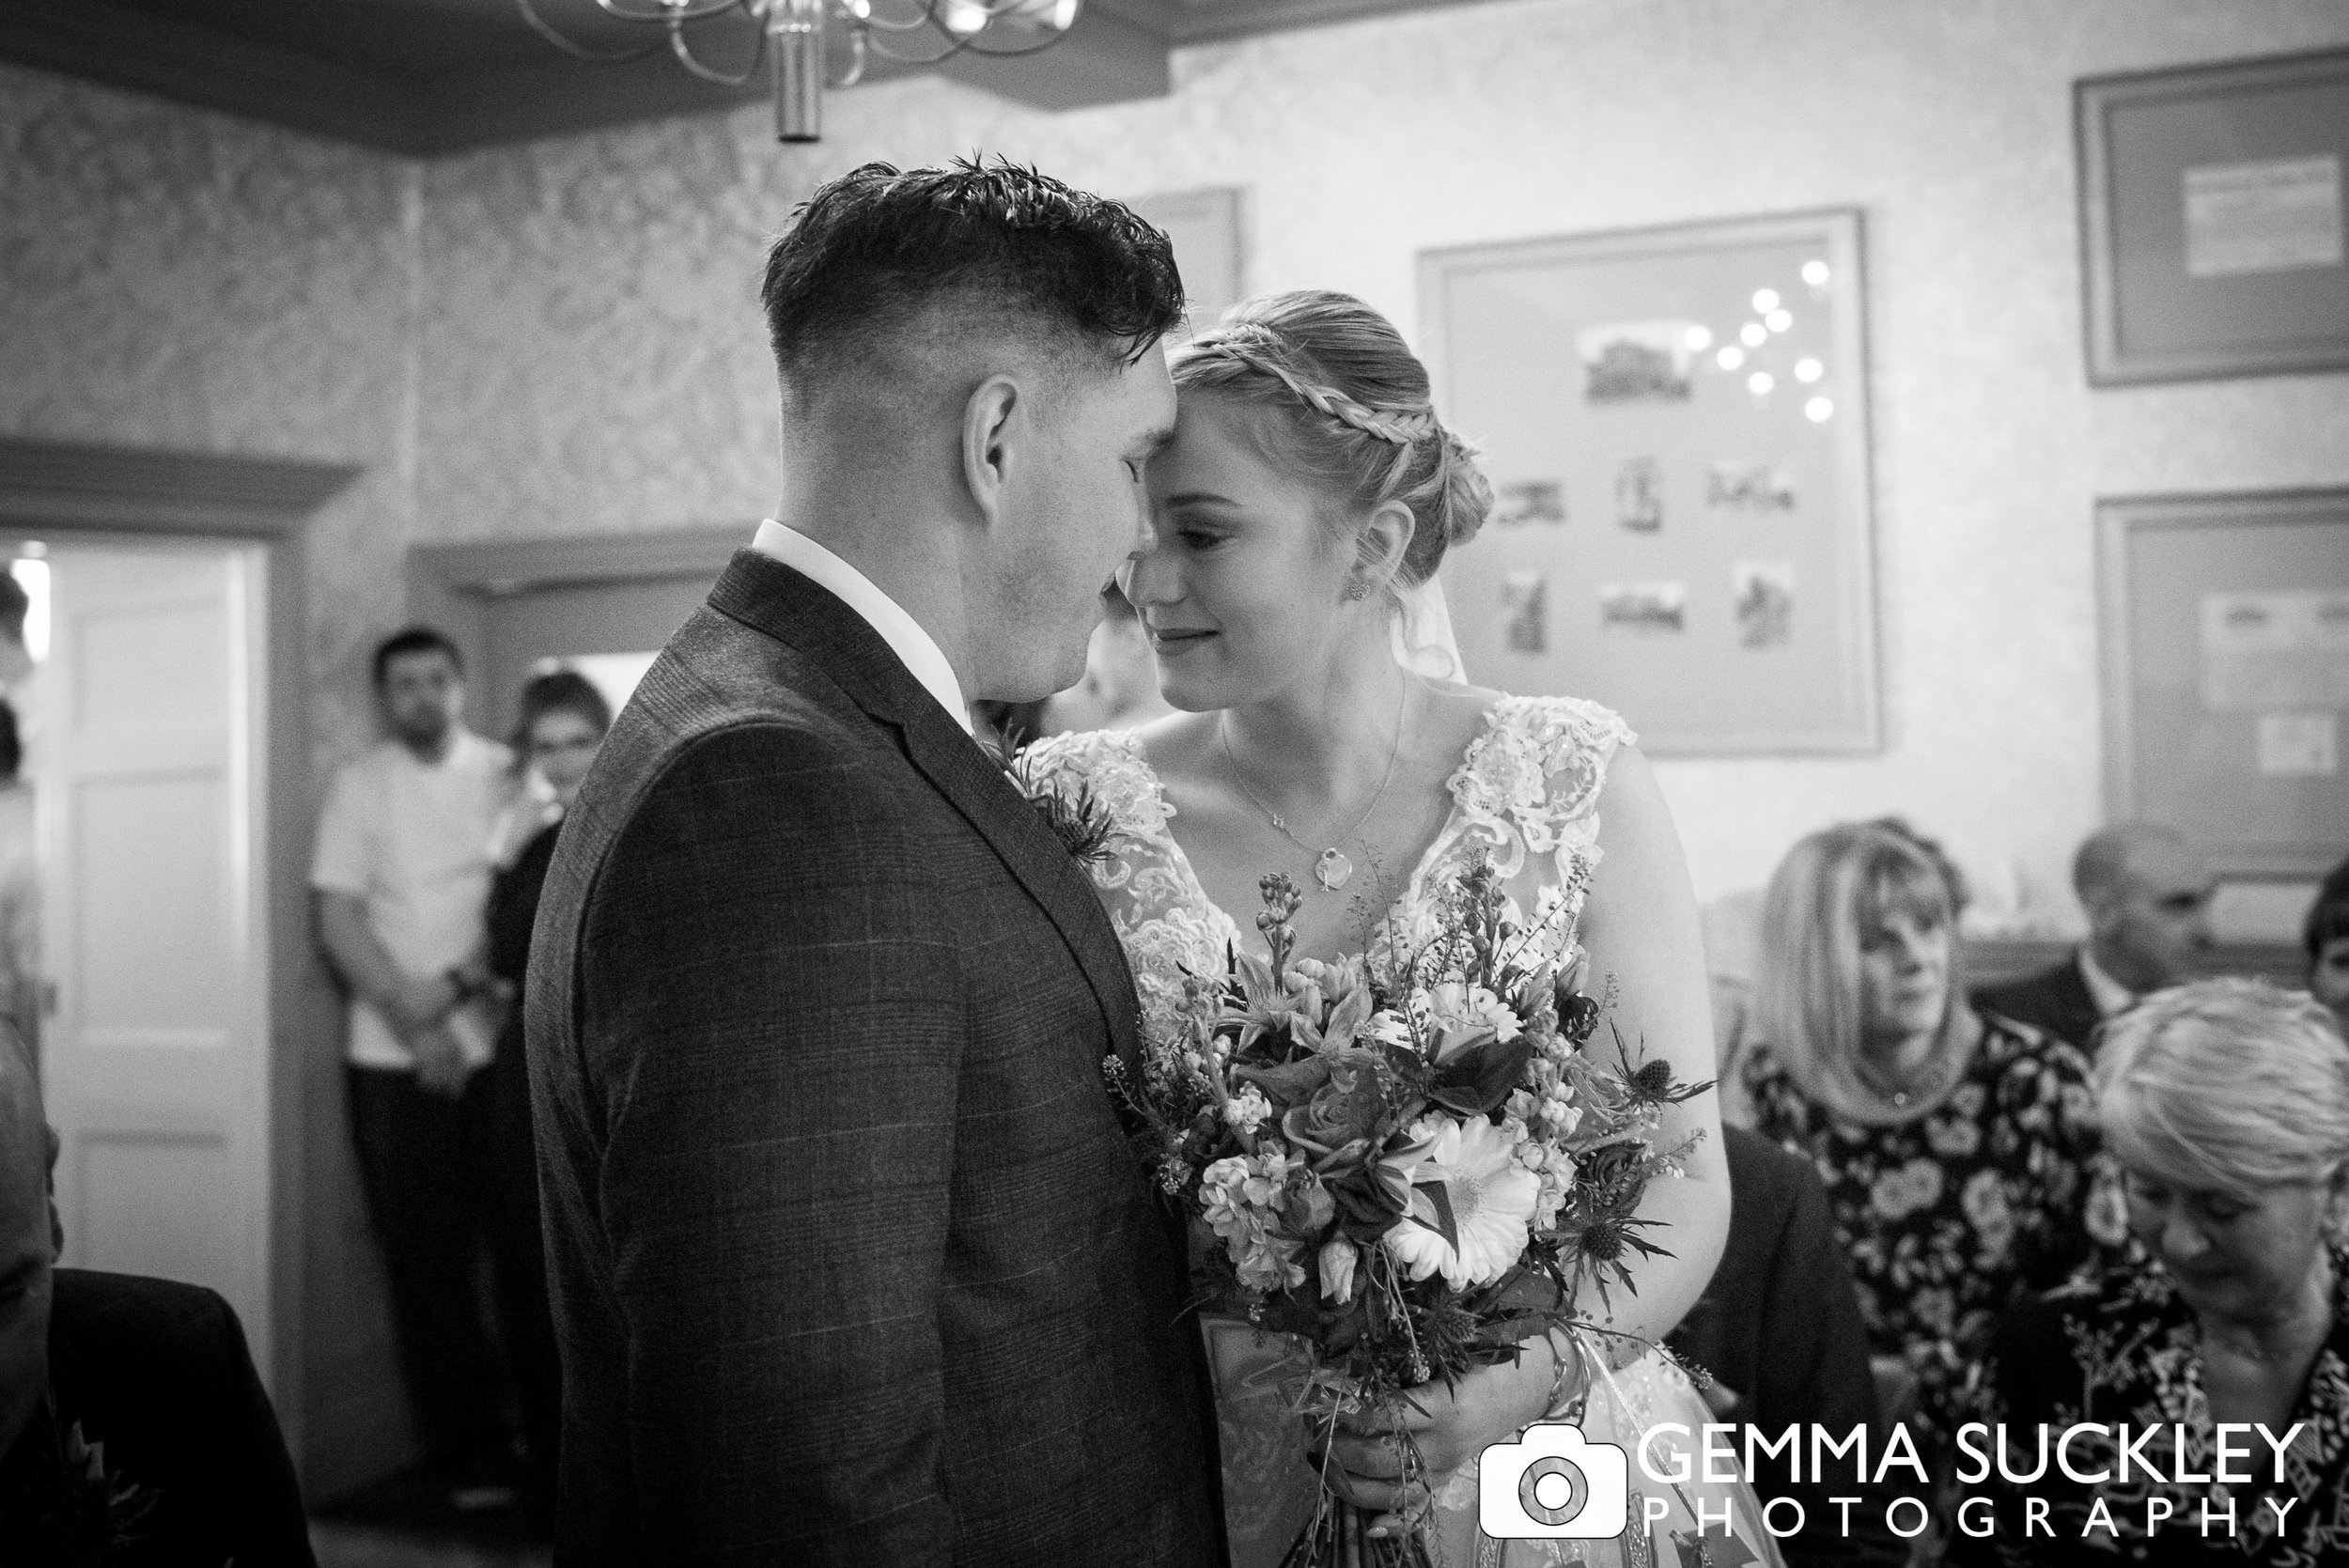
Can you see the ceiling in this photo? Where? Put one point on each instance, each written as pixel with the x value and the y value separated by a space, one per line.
pixel 429 77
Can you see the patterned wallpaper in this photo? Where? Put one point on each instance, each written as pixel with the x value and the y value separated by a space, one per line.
pixel 184 280
pixel 592 357
pixel 563 337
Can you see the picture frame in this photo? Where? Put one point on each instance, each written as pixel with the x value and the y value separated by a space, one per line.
pixel 2223 629
pixel 1676 422
pixel 1204 227
pixel 2211 219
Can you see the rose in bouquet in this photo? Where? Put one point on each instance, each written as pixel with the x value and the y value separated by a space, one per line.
pixel 1407 1161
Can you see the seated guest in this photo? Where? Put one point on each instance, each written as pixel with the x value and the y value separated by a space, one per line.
pixel 2227 1105
pixel 2326 937
pixel 132 1427
pixel 562 726
pixel 1733 934
pixel 1778 1330
pixel 1956 1148
pixel 2147 893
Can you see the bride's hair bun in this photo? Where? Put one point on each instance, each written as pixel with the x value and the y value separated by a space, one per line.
pixel 1354 415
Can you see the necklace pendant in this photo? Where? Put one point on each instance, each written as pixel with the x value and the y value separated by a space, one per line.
pixel 1332 870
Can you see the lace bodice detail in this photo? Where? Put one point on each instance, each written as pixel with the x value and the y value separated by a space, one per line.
pixel 1526 792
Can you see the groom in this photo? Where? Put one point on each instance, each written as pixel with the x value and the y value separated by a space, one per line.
pixel 850 1261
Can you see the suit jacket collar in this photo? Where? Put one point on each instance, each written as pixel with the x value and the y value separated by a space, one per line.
pixel 768 597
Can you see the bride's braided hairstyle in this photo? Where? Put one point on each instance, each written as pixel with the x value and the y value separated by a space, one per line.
pixel 1352 415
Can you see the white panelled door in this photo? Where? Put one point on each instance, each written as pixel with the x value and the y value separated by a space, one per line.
pixel 149 792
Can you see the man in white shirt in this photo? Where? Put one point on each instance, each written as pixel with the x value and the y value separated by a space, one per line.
pixel 402 877
pixel 2147 892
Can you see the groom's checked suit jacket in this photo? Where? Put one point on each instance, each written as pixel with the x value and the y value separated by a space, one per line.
pixel 851 1262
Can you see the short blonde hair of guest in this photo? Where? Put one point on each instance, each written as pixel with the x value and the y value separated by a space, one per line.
pixel 2230 1085
pixel 1829 891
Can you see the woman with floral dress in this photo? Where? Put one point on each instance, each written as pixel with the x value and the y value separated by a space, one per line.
pixel 2221 1340
pixel 1958 1148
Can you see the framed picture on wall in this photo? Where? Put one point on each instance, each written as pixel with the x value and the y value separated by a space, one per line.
pixel 1676 422
pixel 1203 226
pixel 2224 628
pixel 2211 219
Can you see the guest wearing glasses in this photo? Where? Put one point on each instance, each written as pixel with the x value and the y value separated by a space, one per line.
pixel 562 726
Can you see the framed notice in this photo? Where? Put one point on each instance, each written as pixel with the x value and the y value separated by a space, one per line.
pixel 2213 219
pixel 1676 422
pixel 1205 228
pixel 2224 625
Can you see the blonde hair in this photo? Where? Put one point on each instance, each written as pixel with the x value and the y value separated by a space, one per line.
pixel 1831 891
pixel 2229 1084
pixel 1351 414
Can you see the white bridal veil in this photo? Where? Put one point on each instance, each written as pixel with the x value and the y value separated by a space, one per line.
pixel 1424 639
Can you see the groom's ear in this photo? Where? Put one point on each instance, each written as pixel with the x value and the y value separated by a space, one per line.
pixel 991 420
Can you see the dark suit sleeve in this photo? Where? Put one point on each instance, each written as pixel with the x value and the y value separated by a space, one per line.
pixel 772 1023
pixel 266 1518
pixel 1814 1369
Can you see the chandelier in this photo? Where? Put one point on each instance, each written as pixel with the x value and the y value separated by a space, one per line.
pixel 790 40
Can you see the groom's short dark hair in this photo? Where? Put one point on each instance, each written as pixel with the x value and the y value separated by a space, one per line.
pixel 877 249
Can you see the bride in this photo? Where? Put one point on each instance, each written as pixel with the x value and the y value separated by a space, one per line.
pixel 1308 495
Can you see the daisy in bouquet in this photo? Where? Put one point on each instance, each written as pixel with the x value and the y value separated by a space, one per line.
pixel 1405 1161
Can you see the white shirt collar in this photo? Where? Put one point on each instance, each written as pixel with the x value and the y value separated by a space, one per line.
pixel 464 747
pixel 2109 994
pixel 914 647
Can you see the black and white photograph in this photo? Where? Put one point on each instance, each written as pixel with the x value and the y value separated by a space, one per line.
pixel 1763 595
pixel 1525 612
pixel 1528 500
pixel 1749 486
pixel 1147 783
pixel 1640 362
pixel 1643 609
pixel 1639 495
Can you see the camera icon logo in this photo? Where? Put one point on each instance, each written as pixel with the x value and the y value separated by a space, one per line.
pixel 1554 1484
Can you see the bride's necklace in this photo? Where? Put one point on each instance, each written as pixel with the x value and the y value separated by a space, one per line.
pixel 1332 868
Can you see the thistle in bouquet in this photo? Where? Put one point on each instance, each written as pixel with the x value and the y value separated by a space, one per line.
pixel 1407 1161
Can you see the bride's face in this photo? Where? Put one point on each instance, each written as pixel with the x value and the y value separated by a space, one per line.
pixel 1242 585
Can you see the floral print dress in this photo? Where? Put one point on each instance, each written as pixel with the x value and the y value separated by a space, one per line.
pixel 1526 793
pixel 2120 1346
pixel 1951 1218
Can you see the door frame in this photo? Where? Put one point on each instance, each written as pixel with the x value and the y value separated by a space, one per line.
pixel 69 488
pixel 450 585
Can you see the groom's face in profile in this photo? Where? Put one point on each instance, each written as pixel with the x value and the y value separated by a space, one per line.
pixel 1081 510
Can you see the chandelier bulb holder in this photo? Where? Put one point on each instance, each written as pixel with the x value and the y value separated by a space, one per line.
pixel 792 37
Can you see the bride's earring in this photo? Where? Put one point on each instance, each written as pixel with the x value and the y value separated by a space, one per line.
pixel 1357 592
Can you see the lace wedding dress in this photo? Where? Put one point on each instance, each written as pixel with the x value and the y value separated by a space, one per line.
pixel 1526 793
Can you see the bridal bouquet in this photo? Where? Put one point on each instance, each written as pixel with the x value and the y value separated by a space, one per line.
pixel 1406 1161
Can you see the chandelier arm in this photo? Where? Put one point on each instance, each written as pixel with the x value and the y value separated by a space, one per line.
pixel 888 54
pixel 684 52
pixel 856 59
pixel 875 23
pixel 999 8
pixel 970 45
pixel 667 15
pixel 539 25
